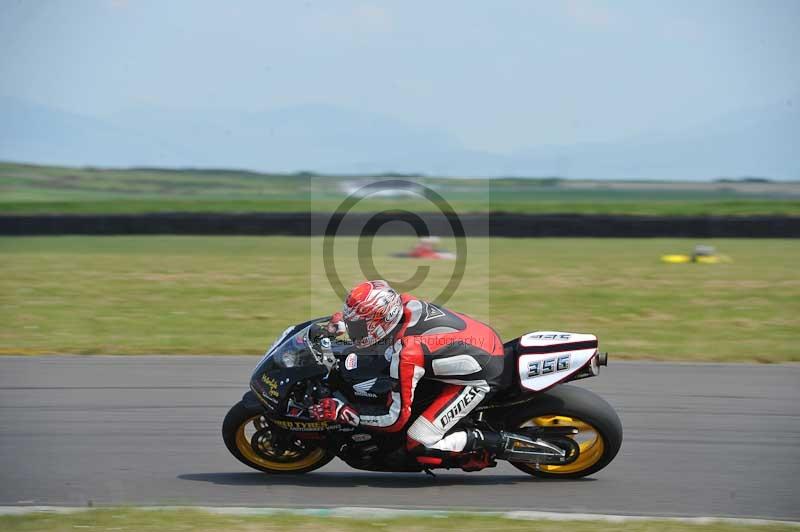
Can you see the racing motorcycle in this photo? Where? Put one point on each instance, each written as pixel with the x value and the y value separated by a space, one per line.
pixel 552 430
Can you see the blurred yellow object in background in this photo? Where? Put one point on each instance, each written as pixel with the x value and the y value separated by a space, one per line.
pixel 702 259
pixel 676 259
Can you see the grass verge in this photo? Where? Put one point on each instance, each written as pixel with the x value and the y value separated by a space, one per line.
pixel 30 189
pixel 131 519
pixel 233 295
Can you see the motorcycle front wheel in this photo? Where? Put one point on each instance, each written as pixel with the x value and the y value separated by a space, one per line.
pixel 247 436
pixel 599 434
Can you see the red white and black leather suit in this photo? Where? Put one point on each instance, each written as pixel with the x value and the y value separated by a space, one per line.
pixel 432 342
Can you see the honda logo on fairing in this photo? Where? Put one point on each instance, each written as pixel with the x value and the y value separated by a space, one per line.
pixel 458 407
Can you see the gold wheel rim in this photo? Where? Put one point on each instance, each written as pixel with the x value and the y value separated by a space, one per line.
pixel 589 440
pixel 244 446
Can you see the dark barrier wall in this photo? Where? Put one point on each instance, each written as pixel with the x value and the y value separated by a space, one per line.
pixel 404 223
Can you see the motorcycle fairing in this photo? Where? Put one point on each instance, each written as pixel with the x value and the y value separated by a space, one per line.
pixel 546 358
pixel 273 384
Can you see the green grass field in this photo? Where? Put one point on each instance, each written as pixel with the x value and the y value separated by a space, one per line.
pixel 224 295
pixel 131 519
pixel 47 189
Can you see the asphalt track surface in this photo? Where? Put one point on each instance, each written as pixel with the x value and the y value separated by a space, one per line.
pixel 700 440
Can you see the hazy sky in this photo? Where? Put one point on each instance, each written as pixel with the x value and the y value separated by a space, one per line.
pixel 497 75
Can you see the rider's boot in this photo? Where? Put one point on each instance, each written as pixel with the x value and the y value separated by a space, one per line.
pixel 477 452
pixel 494 442
pixel 481 449
pixel 477 460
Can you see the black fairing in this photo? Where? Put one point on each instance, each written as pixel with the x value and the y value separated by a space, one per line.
pixel 271 381
pixel 291 361
pixel 274 384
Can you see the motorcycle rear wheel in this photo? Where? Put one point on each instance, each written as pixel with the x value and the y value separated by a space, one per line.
pixel 599 436
pixel 240 431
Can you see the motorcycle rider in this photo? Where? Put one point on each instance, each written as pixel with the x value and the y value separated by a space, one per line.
pixel 422 341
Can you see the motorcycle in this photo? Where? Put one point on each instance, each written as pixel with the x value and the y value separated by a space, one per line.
pixel 552 429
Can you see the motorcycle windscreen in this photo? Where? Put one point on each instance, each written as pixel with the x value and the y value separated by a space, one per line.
pixel 284 365
pixel 294 352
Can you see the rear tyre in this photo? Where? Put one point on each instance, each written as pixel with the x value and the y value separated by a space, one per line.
pixel 246 434
pixel 600 430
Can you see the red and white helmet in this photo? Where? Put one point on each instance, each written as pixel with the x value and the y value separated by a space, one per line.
pixel 371 311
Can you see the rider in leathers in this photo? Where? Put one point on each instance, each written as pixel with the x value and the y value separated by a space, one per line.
pixel 421 340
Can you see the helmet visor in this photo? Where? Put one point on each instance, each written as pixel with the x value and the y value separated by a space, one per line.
pixel 356 330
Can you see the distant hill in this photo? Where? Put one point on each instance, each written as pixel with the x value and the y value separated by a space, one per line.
pixel 38 134
pixel 758 142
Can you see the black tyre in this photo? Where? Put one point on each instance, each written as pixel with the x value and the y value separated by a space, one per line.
pixel 246 433
pixel 600 435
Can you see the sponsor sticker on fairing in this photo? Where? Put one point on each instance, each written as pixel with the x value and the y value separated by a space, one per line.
pixel 351 362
